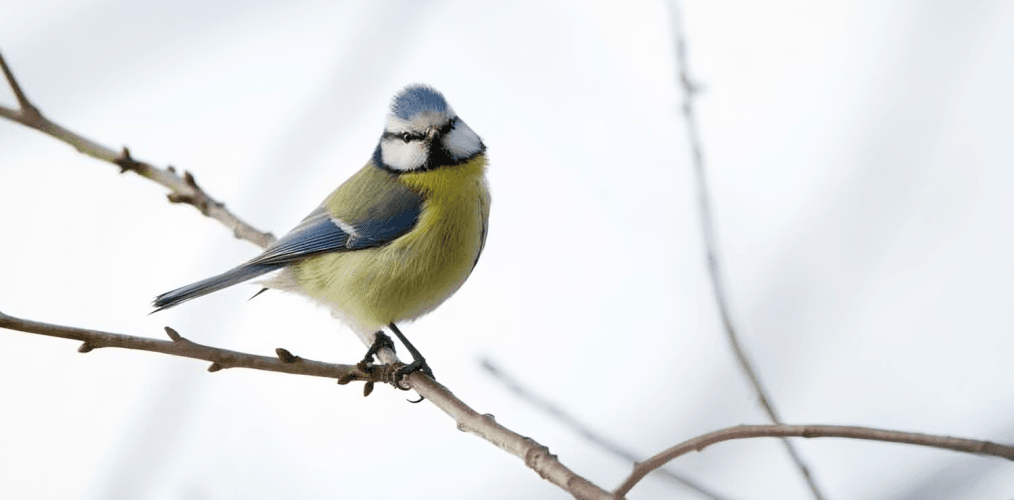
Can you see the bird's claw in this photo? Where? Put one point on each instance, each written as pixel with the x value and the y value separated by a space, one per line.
pixel 418 365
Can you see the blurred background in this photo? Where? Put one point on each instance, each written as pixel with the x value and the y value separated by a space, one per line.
pixel 860 165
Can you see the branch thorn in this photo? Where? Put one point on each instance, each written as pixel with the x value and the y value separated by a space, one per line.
pixel 190 180
pixel 126 162
pixel 286 356
pixel 173 334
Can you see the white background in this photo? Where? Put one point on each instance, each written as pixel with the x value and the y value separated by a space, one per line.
pixel 860 162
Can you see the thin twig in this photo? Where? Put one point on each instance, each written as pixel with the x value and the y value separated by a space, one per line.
pixel 183 189
pixel 711 248
pixel 814 431
pixel 585 431
pixel 24 104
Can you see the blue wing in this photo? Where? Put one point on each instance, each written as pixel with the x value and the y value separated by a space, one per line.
pixel 318 233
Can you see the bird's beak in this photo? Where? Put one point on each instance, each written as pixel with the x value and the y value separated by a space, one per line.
pixel 431 133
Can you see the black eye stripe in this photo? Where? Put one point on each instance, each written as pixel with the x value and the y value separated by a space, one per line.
pixel 404 136
pixel 417 136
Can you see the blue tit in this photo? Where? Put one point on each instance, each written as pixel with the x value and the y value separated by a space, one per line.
pixel 396 239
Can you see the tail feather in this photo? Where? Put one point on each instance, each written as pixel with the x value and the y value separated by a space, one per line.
pixel 212 284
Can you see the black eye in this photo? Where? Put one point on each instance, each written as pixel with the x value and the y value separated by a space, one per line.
pixel 405 136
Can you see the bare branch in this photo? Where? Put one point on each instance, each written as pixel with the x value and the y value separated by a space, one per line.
pixel 535 456
pixel 814 431
pixel 711 248
pixel 586 431
pixel 183 189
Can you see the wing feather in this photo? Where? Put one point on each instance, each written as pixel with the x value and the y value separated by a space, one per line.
pixel 390 211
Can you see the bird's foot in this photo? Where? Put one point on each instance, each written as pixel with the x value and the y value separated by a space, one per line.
pixel 418 363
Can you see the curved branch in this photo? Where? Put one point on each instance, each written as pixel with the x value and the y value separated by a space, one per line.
pixel 814 431
pixel 183 189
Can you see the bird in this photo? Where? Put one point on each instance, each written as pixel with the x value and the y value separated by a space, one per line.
pixel 392 242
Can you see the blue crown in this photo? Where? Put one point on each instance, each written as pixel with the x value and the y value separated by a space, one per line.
pixel 415 99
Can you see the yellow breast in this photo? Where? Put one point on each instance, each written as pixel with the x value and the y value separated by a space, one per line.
pixel 417 271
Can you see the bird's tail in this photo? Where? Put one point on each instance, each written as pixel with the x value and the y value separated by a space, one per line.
pixel 212 284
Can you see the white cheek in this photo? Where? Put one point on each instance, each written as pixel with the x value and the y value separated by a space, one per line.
pixel 461 142
pixel 401 155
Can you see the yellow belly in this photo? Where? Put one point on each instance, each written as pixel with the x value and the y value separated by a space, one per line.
pixel 418 271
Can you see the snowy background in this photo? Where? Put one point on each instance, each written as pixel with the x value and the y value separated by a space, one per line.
pixel 860 163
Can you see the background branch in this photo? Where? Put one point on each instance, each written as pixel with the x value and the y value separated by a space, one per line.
pixel 711 247
pixel 814 431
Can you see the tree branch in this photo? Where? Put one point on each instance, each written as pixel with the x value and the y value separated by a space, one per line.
pixel 814 431
pixel 535 456
pixel 183 189
pixel 711 248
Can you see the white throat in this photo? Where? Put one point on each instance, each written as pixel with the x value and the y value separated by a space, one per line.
pixel 403 156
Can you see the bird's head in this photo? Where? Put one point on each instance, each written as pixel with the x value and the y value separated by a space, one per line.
pixel 424 133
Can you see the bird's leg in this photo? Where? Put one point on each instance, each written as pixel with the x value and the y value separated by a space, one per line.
pixel 418 363
pixel 380 341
